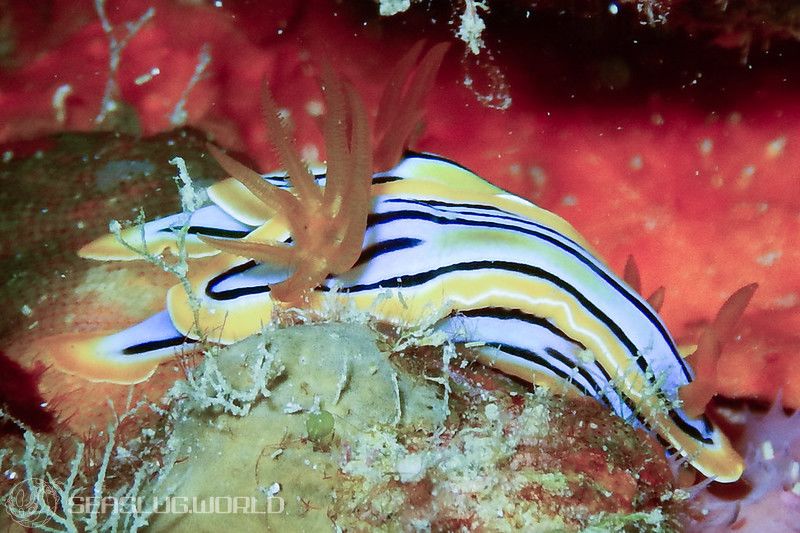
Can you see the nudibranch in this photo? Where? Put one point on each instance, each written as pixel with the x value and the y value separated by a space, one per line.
pixel 422 238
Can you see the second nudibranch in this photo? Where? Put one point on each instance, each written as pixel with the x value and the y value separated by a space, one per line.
pixel 493 268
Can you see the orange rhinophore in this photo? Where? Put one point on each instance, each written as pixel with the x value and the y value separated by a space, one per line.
pixel 706 357
pixel 632 278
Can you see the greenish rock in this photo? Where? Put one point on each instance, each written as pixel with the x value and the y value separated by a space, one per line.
pixel 319 426
pixel 323 377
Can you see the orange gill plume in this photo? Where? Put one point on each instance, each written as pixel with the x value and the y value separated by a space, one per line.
pixel 400 110
pixel 327 225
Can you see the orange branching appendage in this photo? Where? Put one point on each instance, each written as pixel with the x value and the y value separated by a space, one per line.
pixel 706 357
pixel 327 225
pixel 400 109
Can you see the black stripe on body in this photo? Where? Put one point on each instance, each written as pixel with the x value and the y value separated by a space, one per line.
pixel 385 177
pixel 284 182
pixel 157 345
pixel 384 247
pixel 544 362
pixel 412 280
pixel 410 154
pixel 367 254
pixel 232 294
pixel 598 391
pixel 489 211
pixel 209 231
pixel 376 219
pixel 673 415
pixel 503 313
pixel 566 361
pixel 377 180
